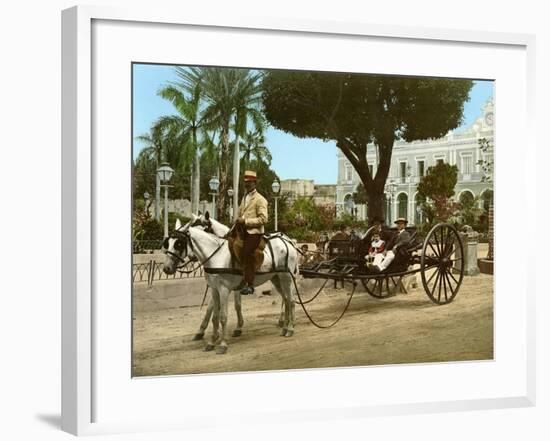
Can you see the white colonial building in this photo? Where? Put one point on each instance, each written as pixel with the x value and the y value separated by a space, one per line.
pixel 410 162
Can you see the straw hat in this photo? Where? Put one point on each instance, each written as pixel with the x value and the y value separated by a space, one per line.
pixel 400 219
pixel 250 175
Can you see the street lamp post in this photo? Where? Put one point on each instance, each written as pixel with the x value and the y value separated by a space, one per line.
pixel 230 193
pixel 390 189
pixel 165 173
pixel 410 197
pixel 276 188
pixel 214 184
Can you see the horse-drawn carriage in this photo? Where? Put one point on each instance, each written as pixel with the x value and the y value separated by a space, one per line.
pixel 438 258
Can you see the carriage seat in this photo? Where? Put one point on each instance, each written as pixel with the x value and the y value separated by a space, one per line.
pixel 404 254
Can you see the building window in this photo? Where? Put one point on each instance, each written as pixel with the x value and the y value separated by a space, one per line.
pixel 403 172
pixel 402 201
pixel 439 161
pixel 467 164
pixel 420 168
pixel 348 173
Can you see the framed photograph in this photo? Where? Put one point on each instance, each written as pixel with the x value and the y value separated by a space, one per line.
pixel 350 190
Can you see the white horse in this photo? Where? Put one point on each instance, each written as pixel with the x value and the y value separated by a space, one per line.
pixel 213 226
pixel 213 253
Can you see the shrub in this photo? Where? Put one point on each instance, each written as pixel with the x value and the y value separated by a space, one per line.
pixel 152 230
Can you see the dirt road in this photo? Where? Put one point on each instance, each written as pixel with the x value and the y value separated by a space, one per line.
pixel 405 328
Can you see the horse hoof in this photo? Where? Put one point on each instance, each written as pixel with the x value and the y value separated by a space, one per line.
pixel 289 333
pixel 283 332
pixel 237 333
pixel 221 350
pixel 198 336
pixel 209 347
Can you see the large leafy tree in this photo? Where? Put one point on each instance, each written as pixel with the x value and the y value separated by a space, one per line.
pixel 232 100
pixel 357 110
pixel 156 144
pixel 187 130
pixel 253 147
pixel 247 100
pixel 436 188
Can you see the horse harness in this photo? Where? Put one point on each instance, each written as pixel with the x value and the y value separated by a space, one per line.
pixel 182 246
pixel 274 269
pixel 181 262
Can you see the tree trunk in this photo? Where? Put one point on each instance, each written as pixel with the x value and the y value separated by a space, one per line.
pixel 236 174
pixel 375 207
pixel 196 177
pixel 157 196
pixel 223 172
pixel 374 185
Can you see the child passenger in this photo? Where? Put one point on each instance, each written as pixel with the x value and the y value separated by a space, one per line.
pixel 376 250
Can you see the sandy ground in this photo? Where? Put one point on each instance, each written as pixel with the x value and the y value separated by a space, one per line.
pixel 404 328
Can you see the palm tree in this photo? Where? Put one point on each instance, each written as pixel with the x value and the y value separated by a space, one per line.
pixel 217 86
pixel 253 146
pixel 153 149
pixel 232 98
pixel 247 99
pixel 185 129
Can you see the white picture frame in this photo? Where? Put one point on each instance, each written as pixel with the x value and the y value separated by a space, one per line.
pixel 83 386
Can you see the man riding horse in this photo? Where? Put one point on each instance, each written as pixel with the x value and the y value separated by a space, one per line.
pixel 252 217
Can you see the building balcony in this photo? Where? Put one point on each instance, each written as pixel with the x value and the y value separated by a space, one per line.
pixel 470 177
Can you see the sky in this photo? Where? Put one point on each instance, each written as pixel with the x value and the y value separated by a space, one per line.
pixel 292 157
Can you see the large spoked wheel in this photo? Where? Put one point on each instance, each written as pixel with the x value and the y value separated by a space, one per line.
pixel 381 287
pixel 442 263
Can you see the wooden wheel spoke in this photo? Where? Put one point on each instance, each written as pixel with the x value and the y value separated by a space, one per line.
pixel 445 284
pixel 439 290
pixel 450 283
pixel 449 245
pixel 451 250
pixel 451 274
pixel 432 291
pixel 431 246
pixel 431 277
pixel 437 243
pixel 444 239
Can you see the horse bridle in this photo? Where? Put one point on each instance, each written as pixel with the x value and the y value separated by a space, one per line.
pixel 178 235
pixel 182 263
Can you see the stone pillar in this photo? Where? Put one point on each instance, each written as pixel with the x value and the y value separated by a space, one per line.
pixel 469 239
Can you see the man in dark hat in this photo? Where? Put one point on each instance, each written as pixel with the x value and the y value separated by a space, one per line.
pixel 402 237
pixel 253 216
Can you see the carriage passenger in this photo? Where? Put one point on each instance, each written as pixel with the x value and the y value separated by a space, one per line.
pixel 375 253
pixel 402 237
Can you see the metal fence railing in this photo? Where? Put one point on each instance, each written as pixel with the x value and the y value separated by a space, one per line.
pixel 152 271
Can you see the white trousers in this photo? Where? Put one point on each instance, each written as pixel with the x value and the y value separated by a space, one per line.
pixel 378 258
pixel 388 258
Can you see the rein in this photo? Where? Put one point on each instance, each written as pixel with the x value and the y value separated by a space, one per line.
pixel 302 303
pixel 184 263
